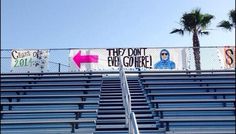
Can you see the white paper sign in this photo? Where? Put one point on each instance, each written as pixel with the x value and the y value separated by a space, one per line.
pixel 133 58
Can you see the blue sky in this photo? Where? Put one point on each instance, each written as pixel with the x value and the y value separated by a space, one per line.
pixel 106 23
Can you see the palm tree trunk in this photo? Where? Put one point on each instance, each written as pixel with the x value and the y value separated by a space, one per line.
pixel 196 51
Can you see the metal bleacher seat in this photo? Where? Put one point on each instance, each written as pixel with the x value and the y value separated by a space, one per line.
pixel 192 102
pixel 49 103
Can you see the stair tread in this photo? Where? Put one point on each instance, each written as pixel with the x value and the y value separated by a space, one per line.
pixel 119 97
pixel 119 91
pixel 124 126
pixel 139 121
pixel 121 107
pixel 123 110
pixel 120 104
pixel 115 93
pixel 123 115
pixel 126 132
pixel 106 103
pixel 120 100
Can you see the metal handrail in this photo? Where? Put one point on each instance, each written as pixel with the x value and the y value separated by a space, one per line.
pixel 166 46
pixel 127 72
pixel 133 129
pixel 125 93
pixel 130 119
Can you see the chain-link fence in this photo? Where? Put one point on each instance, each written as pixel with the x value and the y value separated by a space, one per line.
pixel 60 60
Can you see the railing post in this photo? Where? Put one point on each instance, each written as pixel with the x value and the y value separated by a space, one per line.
pixel 59 67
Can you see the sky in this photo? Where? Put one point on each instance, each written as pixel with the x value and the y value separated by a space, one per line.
pixel 45 24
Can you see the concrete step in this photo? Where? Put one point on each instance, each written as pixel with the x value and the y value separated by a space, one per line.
pixel 118 83
pixel 122 127
pixel 120 116
pixel 119 88
pixel 122 121
pixel 120 100
pixel 119 97
pixel 121 104
pixel 160 131
pixel 137 111
pixel 121 107
pixel 119 93
pixel 131 92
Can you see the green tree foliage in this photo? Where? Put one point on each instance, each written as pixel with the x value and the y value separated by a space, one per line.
pixel 196 23
pixel 228 24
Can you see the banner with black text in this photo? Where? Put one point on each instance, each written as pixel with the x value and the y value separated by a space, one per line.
pixel 133 58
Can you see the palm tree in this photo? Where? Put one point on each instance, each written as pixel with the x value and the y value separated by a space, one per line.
pixel 228 25
pixel 196 23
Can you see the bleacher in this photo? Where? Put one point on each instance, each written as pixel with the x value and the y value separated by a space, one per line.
pixel 192 103
pixel 165 102
pixel 49 103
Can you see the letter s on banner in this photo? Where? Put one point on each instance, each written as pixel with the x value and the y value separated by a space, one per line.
pixel 227 56
pixel 229 53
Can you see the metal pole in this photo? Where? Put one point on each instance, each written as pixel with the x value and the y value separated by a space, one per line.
pixel 59 67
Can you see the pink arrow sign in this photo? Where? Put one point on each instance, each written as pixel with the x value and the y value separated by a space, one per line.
pixel 78 59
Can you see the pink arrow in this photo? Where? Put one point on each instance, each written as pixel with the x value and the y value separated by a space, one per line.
pixel 78 59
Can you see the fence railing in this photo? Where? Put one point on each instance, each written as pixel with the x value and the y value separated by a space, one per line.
pixel 133 129
pixel 130 119
pixel 60 60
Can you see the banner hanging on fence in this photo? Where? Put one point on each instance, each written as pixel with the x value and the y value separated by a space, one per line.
pixel 227 56
pixel 29 60
pixel 133 58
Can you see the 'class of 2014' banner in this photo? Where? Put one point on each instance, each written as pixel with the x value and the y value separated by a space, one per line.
pixel 29 60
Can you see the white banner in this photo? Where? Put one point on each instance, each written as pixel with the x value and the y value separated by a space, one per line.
pixel 29 60
pixel 227 56
pixel 133 58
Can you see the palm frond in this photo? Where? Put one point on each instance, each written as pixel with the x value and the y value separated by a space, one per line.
pixel 232 16
pixel 197 15
pixel 188 21
pixel 203 32
pixel 179 31
pixel 206 20
pixel 225 24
